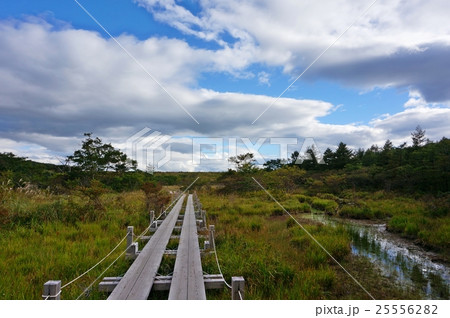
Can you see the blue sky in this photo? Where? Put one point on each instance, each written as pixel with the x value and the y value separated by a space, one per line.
pixel 221 64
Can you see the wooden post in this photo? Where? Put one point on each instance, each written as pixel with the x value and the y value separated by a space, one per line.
pixel 211 237
pixel 152 217
pixel 130 230
pixel 203 214
pixel 132 248
pixel 237 288
pixel 52 290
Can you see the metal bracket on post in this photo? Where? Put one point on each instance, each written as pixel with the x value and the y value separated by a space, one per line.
pixel 211 237
pixel 52 290
pixel 237 288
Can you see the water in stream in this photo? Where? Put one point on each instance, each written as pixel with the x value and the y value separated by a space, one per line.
pixel 411 266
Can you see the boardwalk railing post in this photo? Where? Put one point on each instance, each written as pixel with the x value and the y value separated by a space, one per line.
pixel 132 248
pixel 152 217
pixel 130 230
pixel 237 288
pixel 211 237
pixel 203 214
pixel 52 290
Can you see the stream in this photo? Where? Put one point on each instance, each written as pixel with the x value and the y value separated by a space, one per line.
pixel 409 265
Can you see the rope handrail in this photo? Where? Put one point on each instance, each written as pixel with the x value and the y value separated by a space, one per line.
pixel 218 265
pixel 112 251
pixel 53 296
pixel 142 234
pixel 99 276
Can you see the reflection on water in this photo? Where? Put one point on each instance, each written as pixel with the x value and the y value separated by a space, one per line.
pixel 410 265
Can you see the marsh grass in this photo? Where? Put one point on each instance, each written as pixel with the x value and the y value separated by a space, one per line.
pixel 46 236
pixel 422 219
pixel 56 237
pixel 277 258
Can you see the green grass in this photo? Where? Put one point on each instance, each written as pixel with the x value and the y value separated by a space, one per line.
pixel 58 237
pixel 424 220
pixel 30 257
pixel 325 205
pixel 277 258
pixel 50 238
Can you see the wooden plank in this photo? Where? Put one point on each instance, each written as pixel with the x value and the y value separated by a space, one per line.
pixel 187 280
pixel 108 286
pixel 211 282
pixel 138 280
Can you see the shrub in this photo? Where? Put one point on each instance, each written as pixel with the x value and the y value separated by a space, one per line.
pixel 315 256
pixel 355 212
pixel 411 229
pixel 294 206
pixel 304 198
pixel 277 212
pixel 327 196
pixel 255 226
pixel 305 208
pixel 300 242
pixel 290 223
pixel 397 223
pixel 328 206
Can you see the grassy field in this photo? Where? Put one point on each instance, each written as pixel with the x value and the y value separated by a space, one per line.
pixel 45 236
pixel 40 242
pixel 279 260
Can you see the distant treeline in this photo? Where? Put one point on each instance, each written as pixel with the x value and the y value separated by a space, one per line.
pixel 59 178
pixel 422 167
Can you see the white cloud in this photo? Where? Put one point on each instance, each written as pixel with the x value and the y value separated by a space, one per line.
pixel 264 78
pixel 291 34
pixel 415 100
pixel 57 84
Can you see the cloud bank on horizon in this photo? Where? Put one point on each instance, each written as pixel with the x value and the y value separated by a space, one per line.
pixel 226 62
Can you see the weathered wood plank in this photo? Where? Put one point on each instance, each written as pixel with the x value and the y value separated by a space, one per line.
pixel 211 282
pixel 138 280
pixel 187 280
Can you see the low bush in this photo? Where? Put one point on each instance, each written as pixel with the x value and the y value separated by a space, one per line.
pixel 328 206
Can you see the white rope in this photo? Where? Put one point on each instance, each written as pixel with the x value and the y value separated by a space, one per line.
pixel 218 265
pixel 95 264
pixel 48 296
pixel 99 276
pixel 240 295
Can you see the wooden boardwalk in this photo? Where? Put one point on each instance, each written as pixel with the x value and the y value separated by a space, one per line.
pixel 187 280
pixel 138 280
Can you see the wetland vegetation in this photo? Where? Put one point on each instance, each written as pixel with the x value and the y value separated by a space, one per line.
pixel 371 209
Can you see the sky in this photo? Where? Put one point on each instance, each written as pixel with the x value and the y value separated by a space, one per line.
pixel 183 85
